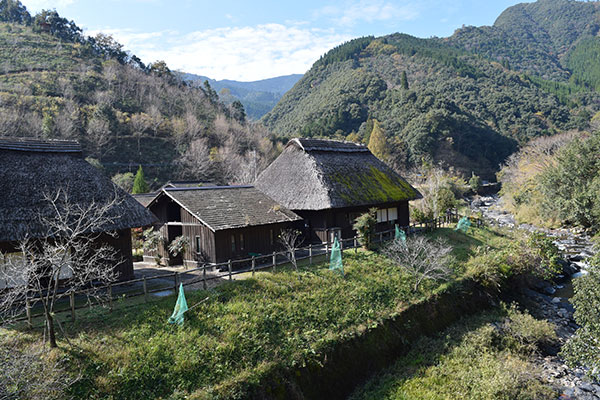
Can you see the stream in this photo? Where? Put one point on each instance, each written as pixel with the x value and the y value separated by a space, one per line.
pixel 552 300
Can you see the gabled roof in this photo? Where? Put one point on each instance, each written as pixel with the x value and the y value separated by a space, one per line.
pixel 29 169
pixel 319 174
pixel 229 207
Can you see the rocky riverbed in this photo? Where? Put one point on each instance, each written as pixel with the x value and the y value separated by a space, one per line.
pixel 551 299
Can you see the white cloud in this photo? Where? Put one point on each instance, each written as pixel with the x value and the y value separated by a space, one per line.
pixel 241 53
pixel 38 5
pixel 370 11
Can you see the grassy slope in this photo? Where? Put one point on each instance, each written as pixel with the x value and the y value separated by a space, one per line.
pixel 279 319
pixel 470 360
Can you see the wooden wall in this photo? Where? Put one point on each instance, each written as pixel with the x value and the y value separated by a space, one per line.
pixel 320 222
pixel 122 244
pixel 261 239
pixel 192 229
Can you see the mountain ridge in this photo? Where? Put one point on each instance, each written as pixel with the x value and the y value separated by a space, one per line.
pixel 258 97
pixel 469 99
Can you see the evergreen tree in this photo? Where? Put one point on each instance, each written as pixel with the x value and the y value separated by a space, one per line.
pixel 404 81
pixel 139 183
pixel 14 11
pixel 378 143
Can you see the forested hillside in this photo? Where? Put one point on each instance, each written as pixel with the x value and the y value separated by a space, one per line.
pixel 56 83
pixel 467 101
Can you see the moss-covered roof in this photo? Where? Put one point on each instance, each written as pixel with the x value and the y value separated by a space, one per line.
pixel 313 174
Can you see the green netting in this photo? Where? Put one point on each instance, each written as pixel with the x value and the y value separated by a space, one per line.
pixel 463 225
pixel 400 234
pixel 335 261
pixel 180 308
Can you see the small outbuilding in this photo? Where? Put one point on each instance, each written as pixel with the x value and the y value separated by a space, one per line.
pixel 31 169
pixel 218 223
pixel 330 183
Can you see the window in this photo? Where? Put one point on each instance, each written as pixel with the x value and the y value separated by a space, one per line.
pixel 198 244
pixel 271 237
pixel 233 243
pixel 387 214
pixel 241 241
pixel 392 214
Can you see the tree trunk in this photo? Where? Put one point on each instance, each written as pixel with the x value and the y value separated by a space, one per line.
pixel 51 333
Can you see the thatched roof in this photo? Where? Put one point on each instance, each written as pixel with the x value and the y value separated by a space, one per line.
pixel 29 169
pixel 318 174
pixel 228 207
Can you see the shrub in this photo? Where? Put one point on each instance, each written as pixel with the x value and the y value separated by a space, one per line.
pixel 421 258
pixel 525 333
pixel 365 226
pixel 584 347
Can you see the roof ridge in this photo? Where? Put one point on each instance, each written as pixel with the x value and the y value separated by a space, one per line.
pixel 39 145
pixel 329 145
pixel 183 189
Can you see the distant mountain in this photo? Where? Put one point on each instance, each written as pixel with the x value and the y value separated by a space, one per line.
pixel 468 100
pixel 258 97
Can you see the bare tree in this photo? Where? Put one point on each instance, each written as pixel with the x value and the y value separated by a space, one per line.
pixel 421 258
pixel 70 253
pixel 196 161
pixel 290 240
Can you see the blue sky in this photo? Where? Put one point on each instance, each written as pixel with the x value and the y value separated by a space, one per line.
pixel 250 40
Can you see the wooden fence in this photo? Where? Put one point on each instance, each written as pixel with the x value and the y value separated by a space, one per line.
pixel 228 269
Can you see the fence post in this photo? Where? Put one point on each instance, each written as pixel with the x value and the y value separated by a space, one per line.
pixel 310 254
pixel 380 237
pixel 72 304
pixel 145 288
pixel 274 262
pixel 355 245
pixel 110 297
pixel 326 251
pixel 229 269
pixel 253 264
pixel 204 277
pixel 175 281
pixel 28 312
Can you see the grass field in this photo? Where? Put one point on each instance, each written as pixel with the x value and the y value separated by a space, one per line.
pixel 280 319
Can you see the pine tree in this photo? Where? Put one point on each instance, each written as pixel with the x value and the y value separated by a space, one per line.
pixel 404 81
pixel 139 183
pixel 378 142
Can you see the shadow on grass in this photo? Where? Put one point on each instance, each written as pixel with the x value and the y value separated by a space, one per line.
pixel 426 352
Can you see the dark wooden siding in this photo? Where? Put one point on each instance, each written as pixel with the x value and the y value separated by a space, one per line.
pixel 122 244
pixel 319 223
pixel 192 229
pixel 256 239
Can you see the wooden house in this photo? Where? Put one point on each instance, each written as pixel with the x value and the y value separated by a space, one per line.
pixel 220 223
pixel 29 169
pixel 330 183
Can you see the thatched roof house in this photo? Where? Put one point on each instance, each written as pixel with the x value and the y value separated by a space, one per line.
pixel 30 168
pixel 329 183
pixel 219 222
